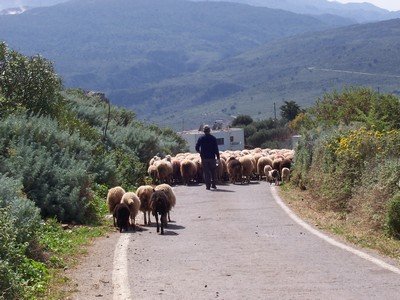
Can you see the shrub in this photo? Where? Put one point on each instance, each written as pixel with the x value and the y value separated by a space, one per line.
pixel 358 105
pixel 25 215
pixel 51 164
pixel 29 82
pixel 20 277
pixel 393 216
pixel 242 120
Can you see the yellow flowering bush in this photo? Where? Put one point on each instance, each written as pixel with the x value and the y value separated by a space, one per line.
pixel 361 144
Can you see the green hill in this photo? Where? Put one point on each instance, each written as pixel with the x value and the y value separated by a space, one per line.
pixel 299 68
pixel 125 44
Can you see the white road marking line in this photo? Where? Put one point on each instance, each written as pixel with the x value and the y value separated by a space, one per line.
pixel 120 269
pixel 331 241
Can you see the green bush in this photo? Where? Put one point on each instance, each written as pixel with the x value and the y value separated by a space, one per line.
pixel 28 82
pixel 20 277
pixel 52 165
pixel 25 214
pixel 393 216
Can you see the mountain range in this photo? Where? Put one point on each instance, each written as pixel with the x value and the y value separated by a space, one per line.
pixel 176 60
pixel 353 12
pixel 110 45
pixel 300 68
pixel 358 12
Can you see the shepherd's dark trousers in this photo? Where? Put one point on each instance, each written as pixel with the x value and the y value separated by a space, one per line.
pixel 209 171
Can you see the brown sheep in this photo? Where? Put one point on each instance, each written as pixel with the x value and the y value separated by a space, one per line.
pixel 133 203
pixel 285 174
pixel 144 193
pixel 188 171
pixel 234 170
pixel 170 195
pixel 164 171
pixel 152 171
pixel 114 197
pixel 160 206
pixel 247 167
pixel 262 162
pixel 121 214
pixel 176 171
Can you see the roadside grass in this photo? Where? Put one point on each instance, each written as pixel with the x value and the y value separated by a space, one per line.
pixel 65 247
pixel 304 204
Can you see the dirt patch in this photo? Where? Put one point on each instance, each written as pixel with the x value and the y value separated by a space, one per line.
pixel 303 204
pixel 92 278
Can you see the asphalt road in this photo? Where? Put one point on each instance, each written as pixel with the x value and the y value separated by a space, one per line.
pixel 238 243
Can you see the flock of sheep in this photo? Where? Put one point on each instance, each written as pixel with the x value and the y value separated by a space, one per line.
pixel 272 165
pixel 125 206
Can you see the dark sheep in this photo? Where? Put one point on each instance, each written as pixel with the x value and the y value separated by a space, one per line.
pixel 235 170
pixel 160 206
pixel 121 214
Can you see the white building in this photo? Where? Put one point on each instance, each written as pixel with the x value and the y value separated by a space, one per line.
pixel 228 139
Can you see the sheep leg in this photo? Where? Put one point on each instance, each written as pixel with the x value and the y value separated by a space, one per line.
pixel 158 226
pixel 163 220
pixel 145 218
pixel 169 217
pixel 149 222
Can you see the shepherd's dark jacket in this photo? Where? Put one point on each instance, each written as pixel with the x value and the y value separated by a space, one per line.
pixel 207 146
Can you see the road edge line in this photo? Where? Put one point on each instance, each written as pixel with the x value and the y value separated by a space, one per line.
pixel 330 240
pixel 120 269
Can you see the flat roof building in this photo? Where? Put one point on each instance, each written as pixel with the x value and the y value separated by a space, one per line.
pixel 228 138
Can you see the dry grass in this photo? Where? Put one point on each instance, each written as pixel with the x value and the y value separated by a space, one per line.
pixel 346 226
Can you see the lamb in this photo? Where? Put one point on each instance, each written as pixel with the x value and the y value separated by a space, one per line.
pixel 188 171
pixel 267 168
pixel 170 196
pixel 160 205
pixel 285 174
pixel 247 167
pixel 285 163
pixel 234 170
pixel 262 162
pixel 121 213
pixel 144 193
pixel 133 203
pixel 114 197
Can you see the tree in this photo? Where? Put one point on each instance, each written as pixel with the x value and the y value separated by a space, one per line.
pixel 242 120
pixel 290 110
pixel 28 82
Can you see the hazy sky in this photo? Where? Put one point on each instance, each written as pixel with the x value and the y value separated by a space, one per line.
pixel 388 4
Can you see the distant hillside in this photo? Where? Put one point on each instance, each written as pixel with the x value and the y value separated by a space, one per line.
pixel 5 4
pixel 125 44
pixel 360 12
pixel 300 68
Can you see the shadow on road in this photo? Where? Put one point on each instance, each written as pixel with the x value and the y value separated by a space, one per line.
pixel 222 190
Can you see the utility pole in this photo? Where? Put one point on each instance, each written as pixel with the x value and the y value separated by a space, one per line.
pixel 275 110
